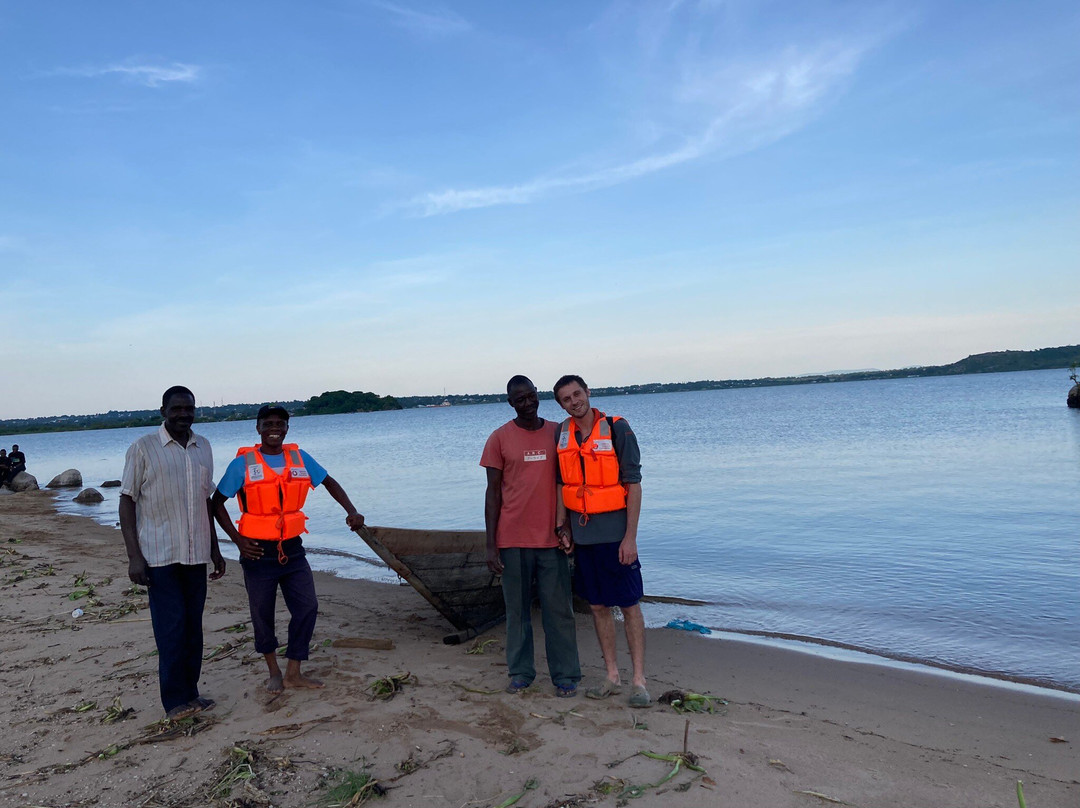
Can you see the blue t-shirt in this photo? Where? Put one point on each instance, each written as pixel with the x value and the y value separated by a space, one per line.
pixel 233 478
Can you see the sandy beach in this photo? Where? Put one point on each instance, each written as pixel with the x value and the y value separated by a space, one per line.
pixel 83 722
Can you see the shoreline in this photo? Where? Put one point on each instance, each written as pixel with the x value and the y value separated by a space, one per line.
pixel 46 424
pixel 803 643
pixel 790 728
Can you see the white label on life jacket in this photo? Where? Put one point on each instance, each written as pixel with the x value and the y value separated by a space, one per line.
pixel 602 445
pixel 255 473
pixel 564 439
pixel 299 474
pixel 535 455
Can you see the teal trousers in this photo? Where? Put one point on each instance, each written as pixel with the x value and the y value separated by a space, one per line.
pixel 545 573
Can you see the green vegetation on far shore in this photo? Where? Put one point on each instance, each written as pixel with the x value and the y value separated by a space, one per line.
pixel 340 401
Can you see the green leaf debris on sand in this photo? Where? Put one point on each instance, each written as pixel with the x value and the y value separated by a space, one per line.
pixel 682 760
pixel 239 771
pixel 480 647
pixel 389 686
pixel 530 784
pixel 352 788
pixel 687 702
pixel 117 712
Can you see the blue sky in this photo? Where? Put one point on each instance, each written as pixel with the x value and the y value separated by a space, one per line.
pixel 268 200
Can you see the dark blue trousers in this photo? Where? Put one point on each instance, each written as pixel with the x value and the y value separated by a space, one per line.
pixel 177 597
pixel 262 578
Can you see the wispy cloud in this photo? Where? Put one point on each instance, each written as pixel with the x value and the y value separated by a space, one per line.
pixel 148 75
pixel 437 23
pixel 743 107
pixel 692 89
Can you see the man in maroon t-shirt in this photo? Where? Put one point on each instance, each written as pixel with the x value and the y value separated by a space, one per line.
pixel 519 514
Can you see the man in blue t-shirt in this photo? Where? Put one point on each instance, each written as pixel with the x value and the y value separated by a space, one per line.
pixel 273 556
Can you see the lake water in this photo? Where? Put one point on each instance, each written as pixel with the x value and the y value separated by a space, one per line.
pixel 929 519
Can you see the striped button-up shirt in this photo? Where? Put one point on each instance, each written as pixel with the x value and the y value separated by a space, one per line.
pixel 170 484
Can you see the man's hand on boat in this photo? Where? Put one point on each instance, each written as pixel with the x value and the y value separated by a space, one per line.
pixel 355 521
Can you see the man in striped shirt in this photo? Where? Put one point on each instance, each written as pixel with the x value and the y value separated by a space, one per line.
pixel 170 538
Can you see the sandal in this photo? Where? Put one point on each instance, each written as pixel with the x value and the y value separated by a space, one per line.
pixel 181 712
pixel 201 703
pixel 639 697
pixel 566 691
pixel 517 685
pixel 605 689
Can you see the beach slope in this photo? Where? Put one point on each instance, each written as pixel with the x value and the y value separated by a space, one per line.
pixel 82 720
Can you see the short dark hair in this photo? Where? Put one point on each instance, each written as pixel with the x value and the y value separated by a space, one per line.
pixel 175 390
pixel 519 379
pixel 569 378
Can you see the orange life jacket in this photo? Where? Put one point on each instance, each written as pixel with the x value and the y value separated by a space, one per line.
pixel 590 471
pixel 271 500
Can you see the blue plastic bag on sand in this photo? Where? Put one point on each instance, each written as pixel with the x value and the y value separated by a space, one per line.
pixel 686 625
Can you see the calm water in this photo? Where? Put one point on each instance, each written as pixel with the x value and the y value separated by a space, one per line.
pixel 933 519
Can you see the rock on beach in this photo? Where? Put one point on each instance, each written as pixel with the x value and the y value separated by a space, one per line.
pixel 89 496
pixel 70 478
pixel 24 481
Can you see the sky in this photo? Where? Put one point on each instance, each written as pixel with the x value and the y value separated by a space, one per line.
pixel 267 200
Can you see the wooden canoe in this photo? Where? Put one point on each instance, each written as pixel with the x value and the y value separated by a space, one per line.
pixel 449 568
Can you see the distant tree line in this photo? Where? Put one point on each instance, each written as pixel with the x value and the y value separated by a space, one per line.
pixel 340 401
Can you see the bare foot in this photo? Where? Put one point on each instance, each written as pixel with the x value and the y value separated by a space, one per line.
pixel 275 684
pixel 299 680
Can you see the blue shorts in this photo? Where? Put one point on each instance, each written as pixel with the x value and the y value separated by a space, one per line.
pixel 601 580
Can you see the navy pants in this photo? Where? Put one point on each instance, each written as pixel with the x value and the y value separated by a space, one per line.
pixel 546 574
pixel 262 578
pixel 177 597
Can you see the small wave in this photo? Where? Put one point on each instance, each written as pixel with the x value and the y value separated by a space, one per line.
pixel 678 601
pixel 345 554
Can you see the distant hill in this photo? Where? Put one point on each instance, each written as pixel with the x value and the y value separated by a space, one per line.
pixel 1006 361
pixel 340 401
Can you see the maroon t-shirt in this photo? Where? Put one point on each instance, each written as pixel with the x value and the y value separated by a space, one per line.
pixel 527 460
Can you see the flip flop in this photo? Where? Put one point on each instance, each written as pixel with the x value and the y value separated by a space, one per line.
pixel 639 697
pixel 181 712
pixel 566 691
pixel 605 689
pixel 517 685
pixel 201 703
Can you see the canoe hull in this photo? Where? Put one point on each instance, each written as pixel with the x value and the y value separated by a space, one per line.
pixel 449 568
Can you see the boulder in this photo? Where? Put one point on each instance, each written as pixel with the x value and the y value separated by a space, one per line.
pixel 1074 397
pixel 89 496
pixel 111 484
pixel 23 482
pixel 66 479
